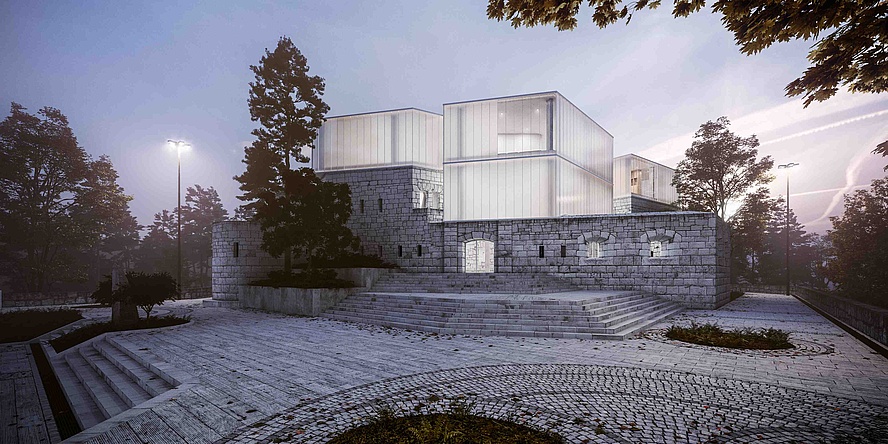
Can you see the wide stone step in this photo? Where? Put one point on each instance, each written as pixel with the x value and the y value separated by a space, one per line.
pixel 479 308
pixel 85 409
pixel 121 383
pixel 149 381
pixel 105 398
pixel 543 319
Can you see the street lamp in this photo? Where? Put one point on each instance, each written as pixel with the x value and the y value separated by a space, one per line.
pixel 786 167
pixel 179 145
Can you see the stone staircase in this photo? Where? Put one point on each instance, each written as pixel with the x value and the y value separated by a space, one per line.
pixel 102 378
pixel 491 311
pixel 495 283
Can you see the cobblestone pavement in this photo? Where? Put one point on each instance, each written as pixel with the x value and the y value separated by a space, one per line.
pixel 584 403
pixel 248 366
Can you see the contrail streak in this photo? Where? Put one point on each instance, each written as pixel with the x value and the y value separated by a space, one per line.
pixel 826 127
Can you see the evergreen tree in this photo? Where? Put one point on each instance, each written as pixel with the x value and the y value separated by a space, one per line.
pixel 203 207
pixel 286 101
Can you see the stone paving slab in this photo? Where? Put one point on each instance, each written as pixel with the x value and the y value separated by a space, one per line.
pixel 249 365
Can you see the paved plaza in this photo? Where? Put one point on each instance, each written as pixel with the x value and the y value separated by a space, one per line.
pixel 264 377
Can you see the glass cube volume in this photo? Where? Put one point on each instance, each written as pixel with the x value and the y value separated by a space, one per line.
pixel 524 156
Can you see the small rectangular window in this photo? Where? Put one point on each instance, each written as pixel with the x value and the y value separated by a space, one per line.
pixel 235 249
pixel 419 250
pixel 380 251
pixel 542 251
pixel 563 251
pixel 593 249
pixel 657 248
pixel 362 249
pixel 380 205
pixel 400 251
pixel 362 206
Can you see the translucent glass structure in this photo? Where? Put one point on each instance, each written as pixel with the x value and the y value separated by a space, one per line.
pixel 525 156
pixel 399 137
pixel 637 175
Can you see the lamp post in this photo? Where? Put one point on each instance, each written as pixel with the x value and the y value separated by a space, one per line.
pixel 786 167
pixel 179 145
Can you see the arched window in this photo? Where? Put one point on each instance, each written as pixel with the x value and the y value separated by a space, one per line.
pixel 593 249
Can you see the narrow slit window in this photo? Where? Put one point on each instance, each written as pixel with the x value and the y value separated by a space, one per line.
pixel 362 206
pixel 542 251
pixel 400 251
pixel 380 205
pixel 419 250
pixel 563 251
pixel 380 251
pixel 235 249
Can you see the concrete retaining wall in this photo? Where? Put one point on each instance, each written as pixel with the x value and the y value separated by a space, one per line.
pixel 293 301
pixel 868 319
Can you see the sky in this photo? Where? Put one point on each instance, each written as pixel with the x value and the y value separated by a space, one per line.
pixel 130 75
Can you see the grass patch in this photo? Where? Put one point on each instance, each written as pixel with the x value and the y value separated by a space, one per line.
pixel 713 335
pixel 445 428
pixel 24 325
pixel 88 332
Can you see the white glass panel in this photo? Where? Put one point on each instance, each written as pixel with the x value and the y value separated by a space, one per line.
pixel 405 137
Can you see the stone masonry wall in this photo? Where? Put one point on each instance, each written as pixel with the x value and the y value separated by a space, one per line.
pixel 694 269
pixel 398 229
pixel 639 204
pixel 250 262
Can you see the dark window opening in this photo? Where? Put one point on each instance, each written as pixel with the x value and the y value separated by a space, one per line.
pixel 563 251
pixel 362 206
pixel 380 251
pixel 419 250
pixel 380 205
pixel 542 251
pixel 235 250
pixel 362 249
pixel 400 251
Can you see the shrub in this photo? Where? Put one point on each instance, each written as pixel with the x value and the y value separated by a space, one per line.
pixel 713 335
pixel 310 278
pixel 350 260
pixel 140 289
pixel 23 325
pixel 445 428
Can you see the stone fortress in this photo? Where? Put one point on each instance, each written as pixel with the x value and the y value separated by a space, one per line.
pixel 515 185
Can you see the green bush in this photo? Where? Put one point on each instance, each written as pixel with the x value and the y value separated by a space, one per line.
pixel 310 278
pixel 713 335
pixel 23 325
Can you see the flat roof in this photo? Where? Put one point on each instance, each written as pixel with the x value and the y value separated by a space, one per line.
pixel 542 93
pixel 384 111
pixel 644 158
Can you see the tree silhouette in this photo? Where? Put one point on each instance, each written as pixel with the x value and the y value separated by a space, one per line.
pixel 41 171
pixel 719 167
pixel 860 245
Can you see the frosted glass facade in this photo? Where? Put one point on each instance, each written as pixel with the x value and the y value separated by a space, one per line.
pixel 643 177
pixel 525 156
pixel 400 137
